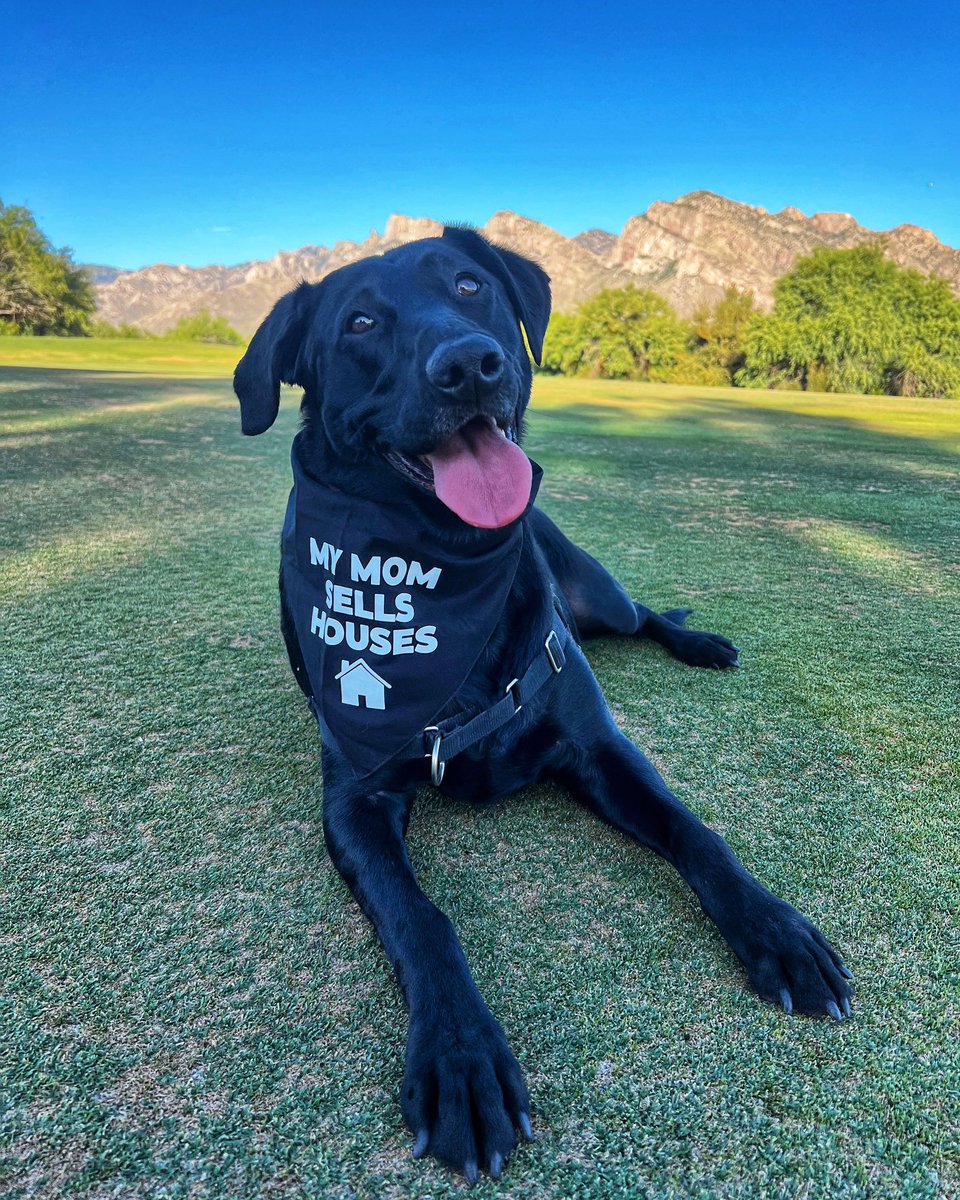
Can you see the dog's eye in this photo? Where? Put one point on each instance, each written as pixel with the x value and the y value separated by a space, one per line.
pixel 360 323
pixel 467 285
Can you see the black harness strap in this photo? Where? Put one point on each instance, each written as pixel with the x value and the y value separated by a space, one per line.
pixel 442 742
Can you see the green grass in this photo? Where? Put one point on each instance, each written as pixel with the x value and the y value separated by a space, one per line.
pixel 190 1004
pixel 150 356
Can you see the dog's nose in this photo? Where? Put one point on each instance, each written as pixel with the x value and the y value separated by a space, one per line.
pixel 466 368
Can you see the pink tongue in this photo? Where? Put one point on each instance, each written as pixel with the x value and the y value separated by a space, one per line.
pixel 481 476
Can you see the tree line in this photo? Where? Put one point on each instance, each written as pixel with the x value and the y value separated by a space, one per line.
pixel 842 321
pixel 202 326
pixel 42 291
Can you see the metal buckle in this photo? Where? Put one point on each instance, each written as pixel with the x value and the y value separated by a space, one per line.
pixel 554 652
pixel 437 765
pixel 517 698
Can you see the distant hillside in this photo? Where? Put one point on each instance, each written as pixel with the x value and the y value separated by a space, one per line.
pixel 687 250
pixel 100 274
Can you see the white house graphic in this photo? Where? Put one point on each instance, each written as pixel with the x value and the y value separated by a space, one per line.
pixel 361 682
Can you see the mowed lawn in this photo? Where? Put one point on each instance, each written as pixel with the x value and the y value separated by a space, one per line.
pixel 151 356
pixel 192 1005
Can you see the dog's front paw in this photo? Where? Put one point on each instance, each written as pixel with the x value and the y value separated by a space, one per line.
pixel 791 963
pixel 697 648
pixel 463 1093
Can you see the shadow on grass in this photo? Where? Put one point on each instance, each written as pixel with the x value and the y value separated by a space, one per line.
pixel 713 417
pixel 843 483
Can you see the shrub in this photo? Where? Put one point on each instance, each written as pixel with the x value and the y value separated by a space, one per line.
pixel 203 327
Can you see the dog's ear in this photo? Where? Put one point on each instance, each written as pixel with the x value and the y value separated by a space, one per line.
pixel 528 285
pixel 271 359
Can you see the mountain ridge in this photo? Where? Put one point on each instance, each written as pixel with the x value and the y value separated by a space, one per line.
pixel 688 250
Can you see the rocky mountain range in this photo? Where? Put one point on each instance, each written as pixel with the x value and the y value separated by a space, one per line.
pixel 687 250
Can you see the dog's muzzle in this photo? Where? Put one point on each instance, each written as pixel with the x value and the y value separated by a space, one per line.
pixel 467 370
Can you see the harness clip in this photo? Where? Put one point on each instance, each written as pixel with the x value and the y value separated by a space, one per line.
pixel 437 765
pixel 515 694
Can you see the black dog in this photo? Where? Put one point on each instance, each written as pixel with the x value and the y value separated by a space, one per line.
pixel 416 378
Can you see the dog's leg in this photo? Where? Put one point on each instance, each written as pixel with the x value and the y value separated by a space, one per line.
pixel 462 1091
pixel 787 959
pixel 602 608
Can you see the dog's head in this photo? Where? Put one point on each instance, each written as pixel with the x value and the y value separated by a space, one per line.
pixel 414 363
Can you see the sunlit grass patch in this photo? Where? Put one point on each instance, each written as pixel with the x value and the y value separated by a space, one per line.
pixel 880 558
pixel 51 565
pixel 148 356
pixel 934 420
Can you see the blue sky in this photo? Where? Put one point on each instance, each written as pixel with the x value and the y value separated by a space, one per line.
pixel 217 133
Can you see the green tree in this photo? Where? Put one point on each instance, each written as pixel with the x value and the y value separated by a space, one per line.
pixel 633 334
pixel 721 331
pixel 42 291
pixel 203 327
pixel 564 345
pixel 852 321
pixel 625 333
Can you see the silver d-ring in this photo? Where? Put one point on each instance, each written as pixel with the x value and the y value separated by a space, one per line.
pixel 437 765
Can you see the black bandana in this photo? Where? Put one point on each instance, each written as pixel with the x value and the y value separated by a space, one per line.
pixel 389 619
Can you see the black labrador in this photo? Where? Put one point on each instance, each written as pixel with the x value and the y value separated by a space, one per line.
pixel 405 360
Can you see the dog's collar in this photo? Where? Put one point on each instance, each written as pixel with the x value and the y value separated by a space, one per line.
pixel 389 616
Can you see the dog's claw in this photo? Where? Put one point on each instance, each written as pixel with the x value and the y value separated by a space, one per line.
pixel 420 1145
pixel 786 1000
pixel 845 972
pixel 525 1127
pixel 470 1170
pixel 496 1165
pixel 834 1011
pixel 846 1006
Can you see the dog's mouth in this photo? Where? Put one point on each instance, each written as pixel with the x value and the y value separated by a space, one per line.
pixel 479 472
